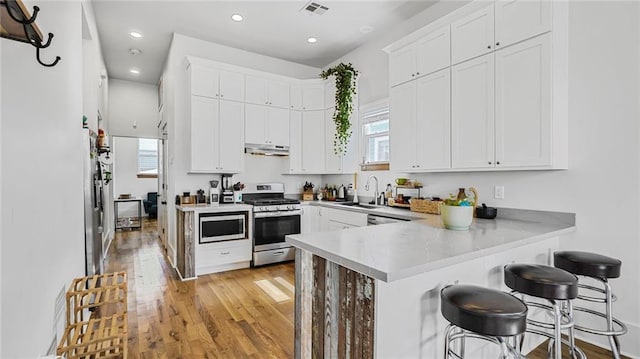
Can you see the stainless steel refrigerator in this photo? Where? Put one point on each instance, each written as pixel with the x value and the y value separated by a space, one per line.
pixel 93 205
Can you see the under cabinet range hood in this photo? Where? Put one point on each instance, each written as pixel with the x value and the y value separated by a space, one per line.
pixel 265 149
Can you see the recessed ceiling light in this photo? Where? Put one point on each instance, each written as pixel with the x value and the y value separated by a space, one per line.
pixel 134 71
pixel 312 40
pixel 366 29
pixel 237 17
pixel 135 34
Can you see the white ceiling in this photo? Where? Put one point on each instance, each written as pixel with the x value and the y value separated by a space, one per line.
pixel 273 28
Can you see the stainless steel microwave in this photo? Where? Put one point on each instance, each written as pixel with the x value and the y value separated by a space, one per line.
pixel 218 227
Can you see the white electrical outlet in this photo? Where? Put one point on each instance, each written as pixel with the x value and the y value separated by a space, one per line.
pixel 498 192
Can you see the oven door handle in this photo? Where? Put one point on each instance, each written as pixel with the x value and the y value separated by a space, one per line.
pixel 277 214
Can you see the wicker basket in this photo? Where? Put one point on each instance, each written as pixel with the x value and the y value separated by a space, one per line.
pixel 425 206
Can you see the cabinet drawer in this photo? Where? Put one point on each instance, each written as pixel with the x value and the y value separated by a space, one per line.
pixel 354 219
pixel 211 254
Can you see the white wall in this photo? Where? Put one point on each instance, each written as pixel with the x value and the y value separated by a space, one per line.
pixel 42 240
pixel 174 79
pixel 132 103
pixel 125 175
pixel 603 154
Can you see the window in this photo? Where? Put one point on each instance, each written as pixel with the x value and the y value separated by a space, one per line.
pixel 147 158
pixel 375 136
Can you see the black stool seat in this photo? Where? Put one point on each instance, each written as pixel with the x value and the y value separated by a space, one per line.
pixel 541 281
pixel 483 311
pixel 588 264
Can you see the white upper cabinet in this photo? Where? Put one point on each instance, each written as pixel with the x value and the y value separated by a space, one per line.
pixel 420 131
pixel 472 113
pixel 215 83
pixel 263 91
pixel 402 65
pixel 433 121
pixel 216 135
pixel 434 51
pixel 307 97
pixel 472 35
pixel 329 93
pixel 266 125
pixel 344 162
pixel 523 104
pixel 427 55
pixel 517 20
pixel 295 142
pixel 313 128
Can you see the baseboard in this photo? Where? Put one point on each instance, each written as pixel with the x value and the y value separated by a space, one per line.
pixel 629 344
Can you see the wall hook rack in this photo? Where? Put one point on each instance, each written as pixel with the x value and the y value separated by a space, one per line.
pixel 16 24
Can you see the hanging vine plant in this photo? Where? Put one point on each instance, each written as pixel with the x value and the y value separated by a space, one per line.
pixel 345 76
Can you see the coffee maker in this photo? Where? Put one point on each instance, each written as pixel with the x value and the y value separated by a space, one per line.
pixel 227 189
pixel 214 193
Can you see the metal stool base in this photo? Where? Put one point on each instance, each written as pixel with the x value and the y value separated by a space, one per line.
pixel 454 333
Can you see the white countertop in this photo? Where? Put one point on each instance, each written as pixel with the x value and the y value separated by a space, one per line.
pixel 395 251
pixel 205 208
pixel 399 213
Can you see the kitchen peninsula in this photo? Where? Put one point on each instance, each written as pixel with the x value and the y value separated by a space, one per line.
pixel 374 291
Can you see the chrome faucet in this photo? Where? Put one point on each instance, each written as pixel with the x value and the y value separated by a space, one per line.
pixel 376 200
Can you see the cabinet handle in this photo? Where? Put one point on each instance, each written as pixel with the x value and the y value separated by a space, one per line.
pixel 413 75
pixel 498 162
pixel 224 253
pixel 498 43
pixel 291 106
pixel 489 162
pixel 304 108
pixel 266 102
pixel 417 73
pixel 221 95
pixel 489 47
pixel 217 95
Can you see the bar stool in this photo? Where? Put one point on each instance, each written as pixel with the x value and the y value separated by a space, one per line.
pixel 600 268
pixel 557 287
pixel 481 313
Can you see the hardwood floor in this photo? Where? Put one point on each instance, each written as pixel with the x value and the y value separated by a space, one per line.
pixel 238 314
pixel 225 315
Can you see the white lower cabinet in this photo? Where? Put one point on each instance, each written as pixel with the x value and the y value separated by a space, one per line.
pixel 217 256
pixel 321 219
pixel 217 135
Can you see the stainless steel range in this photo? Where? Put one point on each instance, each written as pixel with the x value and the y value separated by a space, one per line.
pixel 274 217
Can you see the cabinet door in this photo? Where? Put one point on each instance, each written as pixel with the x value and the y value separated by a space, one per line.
pixel 307 218
pixel 204 81
pixel 255 121
pixel 402 65
pixel 204 134
pixel 313 97
pixel 518 20
pixel 295 142
pixel 402 131
pixel 278 94
pixel 313 141
pixel 330 93
pixel 295 97
pixel 231 136
pixel 277 126
pixel 472 35
pixel 231 86
pixel 472 113
pixel 332 161
pixel 434 51
pixel 255 90
pixel 433 121
pixel 523 103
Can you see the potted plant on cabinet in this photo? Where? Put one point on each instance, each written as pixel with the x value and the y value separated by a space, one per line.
pixel 345 76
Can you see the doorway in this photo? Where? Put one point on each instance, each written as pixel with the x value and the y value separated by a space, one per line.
pixel 135 177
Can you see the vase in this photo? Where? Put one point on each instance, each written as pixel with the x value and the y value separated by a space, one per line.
pixel 457 218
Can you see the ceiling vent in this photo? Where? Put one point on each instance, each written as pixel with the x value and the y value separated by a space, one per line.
pixel 313 8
